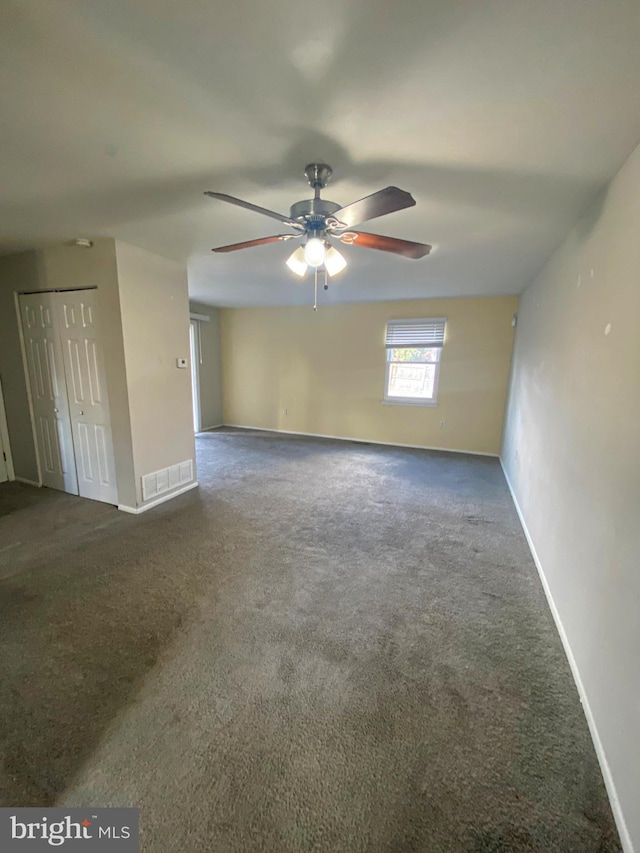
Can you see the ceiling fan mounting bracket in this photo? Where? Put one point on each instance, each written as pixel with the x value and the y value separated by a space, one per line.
pixel 318 175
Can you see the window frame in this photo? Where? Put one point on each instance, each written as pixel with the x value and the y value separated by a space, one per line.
pixel 415 401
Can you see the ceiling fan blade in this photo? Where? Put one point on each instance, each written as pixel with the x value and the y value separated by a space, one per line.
pixel 384 201
pixel 386 244
pixel 262 241
pixel 246 204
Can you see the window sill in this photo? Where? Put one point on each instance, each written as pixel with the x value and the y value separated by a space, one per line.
pixel 400 402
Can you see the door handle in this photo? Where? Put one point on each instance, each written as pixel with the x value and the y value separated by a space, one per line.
pixel 56 411
pixel 82 413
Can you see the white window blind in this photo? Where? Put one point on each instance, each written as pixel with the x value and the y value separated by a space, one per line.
pixel 416 333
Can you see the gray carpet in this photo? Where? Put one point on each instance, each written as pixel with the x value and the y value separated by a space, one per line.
pixel 326 647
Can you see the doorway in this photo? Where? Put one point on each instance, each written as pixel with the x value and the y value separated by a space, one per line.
pixel 6 463
pixel 4 470
pixel 68 390
pixel 194 338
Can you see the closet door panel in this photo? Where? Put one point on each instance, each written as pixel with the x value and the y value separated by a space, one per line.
pixel 45 368
pixel 88 403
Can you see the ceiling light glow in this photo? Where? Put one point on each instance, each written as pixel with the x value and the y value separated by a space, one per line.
pixel 314 252
pixel 334 262
pixel 297 263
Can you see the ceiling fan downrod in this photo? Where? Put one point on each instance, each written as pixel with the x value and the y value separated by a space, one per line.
pixel 314 212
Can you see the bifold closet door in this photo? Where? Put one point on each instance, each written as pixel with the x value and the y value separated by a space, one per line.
pixel 87 394
pixel 45 367
pixel 68 393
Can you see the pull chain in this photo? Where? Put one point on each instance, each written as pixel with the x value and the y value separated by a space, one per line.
pixel 315 285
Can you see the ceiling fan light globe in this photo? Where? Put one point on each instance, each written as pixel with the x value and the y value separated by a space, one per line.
pixel 297 263
pixel 334 262
pixel 314 252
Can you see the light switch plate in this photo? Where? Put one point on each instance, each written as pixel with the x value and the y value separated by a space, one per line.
pixel 181 362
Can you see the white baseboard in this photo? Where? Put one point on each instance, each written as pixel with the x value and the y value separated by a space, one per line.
pixel 362 440
pixel 136 510
pixel 28 482
pixel 213 426
pixel 625 838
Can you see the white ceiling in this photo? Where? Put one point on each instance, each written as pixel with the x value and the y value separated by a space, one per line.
pixel 502 118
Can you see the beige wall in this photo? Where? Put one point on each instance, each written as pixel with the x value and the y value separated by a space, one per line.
pixel 571 452
pixel 154 305
pixel 327 368
pixel 209 370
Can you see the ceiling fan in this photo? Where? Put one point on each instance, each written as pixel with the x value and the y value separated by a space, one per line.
pixel 318 222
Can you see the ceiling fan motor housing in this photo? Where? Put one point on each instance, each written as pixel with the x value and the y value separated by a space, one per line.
pixel 313 212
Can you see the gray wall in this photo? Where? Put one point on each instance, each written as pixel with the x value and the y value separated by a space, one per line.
pixel 155 324
pixel 210 373
pixel 17 272
pixel 571 454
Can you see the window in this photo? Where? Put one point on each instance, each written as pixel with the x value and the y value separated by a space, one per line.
pixel 413 361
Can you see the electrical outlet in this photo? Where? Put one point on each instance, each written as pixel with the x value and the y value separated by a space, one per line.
pixel 442 424
pixel 285 411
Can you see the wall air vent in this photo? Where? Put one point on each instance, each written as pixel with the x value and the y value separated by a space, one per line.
pixel 167 479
